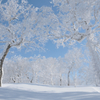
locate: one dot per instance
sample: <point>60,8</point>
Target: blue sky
<point>39,3</point>
<point>51,49</point>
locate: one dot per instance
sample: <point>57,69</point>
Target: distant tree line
<point>71,70</point>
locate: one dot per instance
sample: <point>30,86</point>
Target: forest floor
<point>41,92</point>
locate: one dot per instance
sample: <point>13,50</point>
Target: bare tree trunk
<point>69,73</point>
<point>2,60</point>
<point>60,80</point>
<point>31,80</point>
<point>68,78</point>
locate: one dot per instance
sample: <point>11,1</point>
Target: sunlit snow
<point>41,92</point>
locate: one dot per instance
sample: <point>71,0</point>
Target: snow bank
<point>39,92</point>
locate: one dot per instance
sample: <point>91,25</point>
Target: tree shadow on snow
<point>11,94</point>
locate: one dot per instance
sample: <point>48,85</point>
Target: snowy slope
<point>39,92</point>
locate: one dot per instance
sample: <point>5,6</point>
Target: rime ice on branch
<point>23,25</point>
<point>79,20</point>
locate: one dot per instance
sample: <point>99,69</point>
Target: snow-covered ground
<point>40,92</point>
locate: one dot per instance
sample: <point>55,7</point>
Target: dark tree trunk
<point>60,81</point>
<point>1,62</point>
<point>69,73</point>
<point>68,78</point>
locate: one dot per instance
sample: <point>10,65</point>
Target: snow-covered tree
<point>68,70</point>
<point>73,61</point>
<point>23,25</point>
<point>17,70</point>
<point>79,20</point>
<point>61,71</point>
